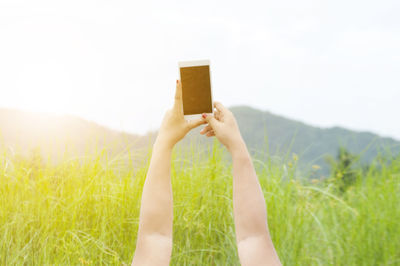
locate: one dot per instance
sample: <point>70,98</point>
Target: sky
<point>325,63</point>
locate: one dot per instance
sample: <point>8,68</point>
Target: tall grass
<point>86,210</point>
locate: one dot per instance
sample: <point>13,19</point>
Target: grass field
<point>85,211</point>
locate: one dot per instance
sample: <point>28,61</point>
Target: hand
<point>222,125</point>
<point>174,126</point>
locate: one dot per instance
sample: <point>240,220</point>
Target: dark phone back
<point>196,90</point>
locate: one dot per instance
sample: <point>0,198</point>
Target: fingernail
<point>204,115</point>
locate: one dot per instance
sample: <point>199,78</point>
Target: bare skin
<point>154,242</point>
<point>252,235</point>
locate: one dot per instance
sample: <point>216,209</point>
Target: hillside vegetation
<point>57,136</point>
<point>264,133</point>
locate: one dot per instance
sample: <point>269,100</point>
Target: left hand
<point>174,126</point>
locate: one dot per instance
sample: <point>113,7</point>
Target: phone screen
<point>196,90</point>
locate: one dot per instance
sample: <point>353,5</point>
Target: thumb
<point>210,119</point>
<point>195,123</point>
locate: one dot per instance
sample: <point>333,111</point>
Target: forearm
<point>156,213</point>
<point>248,200</point>
<point>254,243</point>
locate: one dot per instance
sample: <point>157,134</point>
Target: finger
<point>205,129</point>
<point>178,96</point>
<point>206,132</point>
<point>210,133</point>
<point>217,115</point>
<point>220,107</point>
<point>210,120</point>
<point>195,123</point>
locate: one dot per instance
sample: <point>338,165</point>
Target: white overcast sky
<point>325,63</point>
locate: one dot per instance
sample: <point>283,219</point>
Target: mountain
<point>265,133</point>
<point>279,135</point>
<point>22,132</point>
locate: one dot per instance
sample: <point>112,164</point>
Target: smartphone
<point>196,88</point>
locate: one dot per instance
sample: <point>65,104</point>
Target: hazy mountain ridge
<point>312,144</point>
<point>22,131</point>
<point>263,132</point>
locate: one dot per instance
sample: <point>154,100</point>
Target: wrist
<point>237,147</point>
<point>240,154</point>
<point>163,143</point>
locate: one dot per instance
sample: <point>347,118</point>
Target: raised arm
<point>154,241</point>
<point>253,239</point>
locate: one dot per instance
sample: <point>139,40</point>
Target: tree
<point>343,174</point>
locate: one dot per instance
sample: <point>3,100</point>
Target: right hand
<point>222,125</point>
